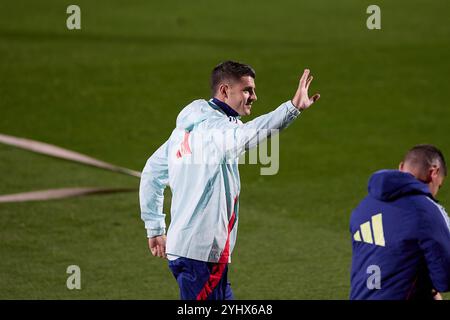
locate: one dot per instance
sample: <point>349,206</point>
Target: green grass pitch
<point>113,90</point>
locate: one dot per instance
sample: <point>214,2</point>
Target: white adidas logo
<point>366,231</point>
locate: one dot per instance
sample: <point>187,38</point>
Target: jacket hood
<point>388,185</point>
<point>194,113</point>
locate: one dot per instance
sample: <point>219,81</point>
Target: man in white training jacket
<point>199,162</point>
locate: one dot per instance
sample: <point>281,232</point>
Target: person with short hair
<point>199,162</point>
<point>401,234</point>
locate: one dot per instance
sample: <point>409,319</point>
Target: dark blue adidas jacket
<point>400,240</point>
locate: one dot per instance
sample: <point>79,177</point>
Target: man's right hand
<point>157,246</point>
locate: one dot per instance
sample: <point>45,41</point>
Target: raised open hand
<point>301,99</point>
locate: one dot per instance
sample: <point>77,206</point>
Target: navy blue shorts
<point>200,280</point>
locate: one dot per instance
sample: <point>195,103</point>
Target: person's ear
<point>434,172</point>
<point>400,166</point>
<point>431,174</point>
<point>223,89</point>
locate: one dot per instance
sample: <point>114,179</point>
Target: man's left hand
<point>301,99</point>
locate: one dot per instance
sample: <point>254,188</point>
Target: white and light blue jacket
<point>199,162</point>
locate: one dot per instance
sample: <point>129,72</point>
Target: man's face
<point>241,94</point>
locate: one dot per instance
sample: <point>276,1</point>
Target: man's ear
<point>223,89</point>
<point>400,166</point>
<point>431,174</point>
<point>434,172</point>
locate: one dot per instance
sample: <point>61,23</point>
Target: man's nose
<point>254,97</point>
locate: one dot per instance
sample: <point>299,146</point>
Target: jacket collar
<point>225,108</point>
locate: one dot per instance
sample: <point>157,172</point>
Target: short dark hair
<point>425,156</point>
<point>229,70</point>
